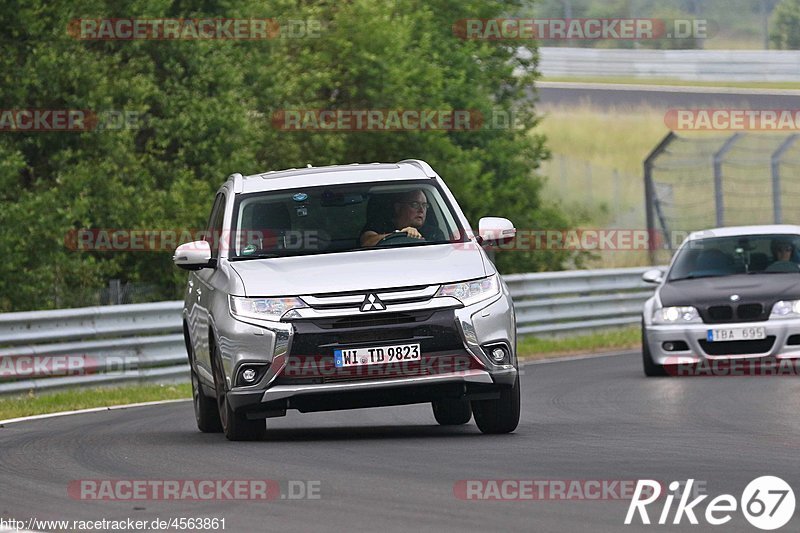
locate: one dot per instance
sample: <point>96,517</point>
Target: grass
<point>614,138</point>
<point>596,167</point>
<point>543,347</point>
<point>72,399</point>
<point>675,82</point>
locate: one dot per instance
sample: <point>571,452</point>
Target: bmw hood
<point>362,270</point>
<point>761,288</point>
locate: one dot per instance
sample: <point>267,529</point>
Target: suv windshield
<point>740,254</point>
<point>340,218</point>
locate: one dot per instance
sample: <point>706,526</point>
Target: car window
<point>328,219</point>
<point>740,254</point>
<point>214,234</point>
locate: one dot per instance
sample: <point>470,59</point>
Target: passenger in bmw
<point>783,252</point>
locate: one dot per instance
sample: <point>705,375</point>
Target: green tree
<point>204,111</point>
<point>785,34</point>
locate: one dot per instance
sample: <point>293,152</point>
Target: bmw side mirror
<point>655,275</point>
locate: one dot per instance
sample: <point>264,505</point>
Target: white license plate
<point>377,355</point>
<point>736,334</point>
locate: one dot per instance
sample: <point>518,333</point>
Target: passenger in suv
<point>300,299</point>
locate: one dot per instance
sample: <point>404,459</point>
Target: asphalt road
<point>393,469</point>
<point>608,96</point>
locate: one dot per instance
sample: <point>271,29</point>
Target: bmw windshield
<point>739,254</point>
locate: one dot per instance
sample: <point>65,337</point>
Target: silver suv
<point>345,287</point>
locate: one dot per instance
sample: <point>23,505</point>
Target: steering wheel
<point>396,236</point>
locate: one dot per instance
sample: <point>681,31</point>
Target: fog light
<point>498,354</point>
<point>249,375</point>
<point>668,346</point>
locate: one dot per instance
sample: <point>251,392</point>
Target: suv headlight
<point>786,309</point>
<point>265,308</point>
<point>676,315</point>
<point>470,292</point>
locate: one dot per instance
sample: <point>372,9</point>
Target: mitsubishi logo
<point>372,303</point>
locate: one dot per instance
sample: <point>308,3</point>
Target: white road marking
<point>91,410</point>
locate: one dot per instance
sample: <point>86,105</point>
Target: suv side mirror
<point>495,230</point>
<point>193,255</point>
<point>655,275</point>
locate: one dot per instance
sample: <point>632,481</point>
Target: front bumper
<point>300,372</point>
<point>783,342</point>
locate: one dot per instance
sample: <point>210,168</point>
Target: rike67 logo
<point>767,503</point>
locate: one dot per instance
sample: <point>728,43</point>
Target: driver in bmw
<point>410,210</point>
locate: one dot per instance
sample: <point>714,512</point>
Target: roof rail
<point>422,165</point>
<point>238,182</point>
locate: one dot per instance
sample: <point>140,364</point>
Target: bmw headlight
<point>786,309</point>
<point>266,308</point>
<point>470,292</point>
<point>676,315</point>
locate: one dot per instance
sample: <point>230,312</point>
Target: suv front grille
<point>311,354</point>
<point>357,321</point>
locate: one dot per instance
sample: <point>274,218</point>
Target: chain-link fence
<point>611,198</point>
<point>701,182</point>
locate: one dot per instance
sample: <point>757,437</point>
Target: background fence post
<point>775,164</point>
<point>718,197</point>
<point>650,196</point>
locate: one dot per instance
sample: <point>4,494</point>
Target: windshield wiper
<point>255,256</point>
<point>693,276</point>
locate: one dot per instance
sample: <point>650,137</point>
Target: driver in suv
<point>409,211</point>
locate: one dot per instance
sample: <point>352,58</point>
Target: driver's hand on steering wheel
<point>412,232</point>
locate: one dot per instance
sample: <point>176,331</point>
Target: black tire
<point>235,425</point>
<point>206,411</point>
<point>500,415</point>
<point>651,369</point>
<point>452,412</point>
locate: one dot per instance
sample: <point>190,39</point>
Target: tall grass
<point>596,168</point>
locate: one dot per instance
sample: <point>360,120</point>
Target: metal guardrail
<point>555,302</point>
<point>705,65</point>
<point>48,350</point>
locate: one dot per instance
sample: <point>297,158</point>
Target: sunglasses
<point>417,205</point>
